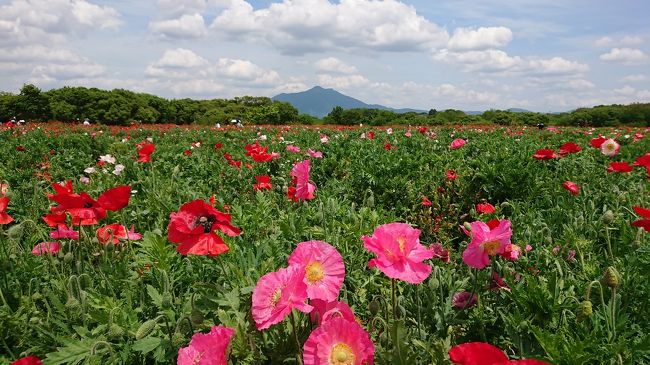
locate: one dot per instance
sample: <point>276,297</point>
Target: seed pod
<point>585,310</point>
<point>373,307</point>
<point>196,317</point>
<point>167,300</point>
<point>608,217</point>
<point>68,257</point>
<point>145,329</point>
<point>72,304</point>
<point>15,232</point>
<point>115,331</point>
<point>611,277</point>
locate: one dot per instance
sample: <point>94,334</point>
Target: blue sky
<point>468,55</point>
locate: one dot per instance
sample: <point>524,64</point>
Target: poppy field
<point>324,245</point>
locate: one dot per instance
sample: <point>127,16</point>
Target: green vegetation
<point>122,107</point>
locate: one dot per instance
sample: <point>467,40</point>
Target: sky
<point>544,56</point>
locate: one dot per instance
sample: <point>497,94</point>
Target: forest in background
<point>124,107</point>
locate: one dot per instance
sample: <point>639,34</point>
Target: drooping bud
<point>608,217</point>
<point>611,277</point>
<point>373,307</point>
<point>196,317</point>
<point>585,310</point>
<point>145,329</point>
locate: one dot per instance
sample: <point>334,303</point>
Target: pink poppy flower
<point>207,348</point>
<point>324,138</point>
<point>511,252</point>
<point>46,247</point>
<point>486,242</point>
<point>322,267</point>
<point>610,147</point>
<point>292,148</point>
<point>304,188</point>
<point>314,154</point>
<point>339,341</point>
<point>408,134</point>
<point>572,187</point>
<point>497,282</point>
<point>457,143</point>
<point>439,252</point>
<point>324,311</point>
<point>277,294</point>
<point>399,252</point>
<point>451,175</point>
<point>485,208</point>
<point>426,202</point>
<point>463,300</point>
<point>63,231</point>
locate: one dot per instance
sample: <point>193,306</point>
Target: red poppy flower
<point>217,146</point>
<point>20,148</point>
<point>387,146</point>
<point>4,217</point>
<point>643,160</point>
<point>370,135</point>
<point>258,153</point>
<point>422,130</point>
<point>451,175</point>
<point>53,219</point>
<point>479,353</point>
<point>569,147</point>
<point>642,223</point>
<point>187,152</point>
<point>597,142</point>
<point>545,154</point>
<point>116,198</point>
<point>426,202</point>
<point>572,187</point>
<point>144,152</point>
<point>291,194</point>
<point>485,208</point>
<point>115,232</point>
<point>263,183</point>
<point>619,167</point>
<point>194,226</point>
<point>28,360</point>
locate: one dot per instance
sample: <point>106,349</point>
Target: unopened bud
<point>611,277</point>
<point>196,316</point>
<point>585,310</point>
<point>373,307</point>
<point>608,217</point>
<point>467,226</point>
<point>145,329</point>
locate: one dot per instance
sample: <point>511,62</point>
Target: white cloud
<point>298,27</point>
<point>556,66</point>
<point>38,53</point>
<point>342,82</point>
<point>627,56</point>
<point>176,8</point>
<point>68,71</point>
<point>180,58</point>
<point>196,87</point>
<point>187,26</point>
<point>481,38</point>
<point>334,65</point>
<point>620,41</point>
<point>625,90</point>
<point>635,78</point>
<point>92,15</point>
<point>490,60</point>
<point>245,70</point>
<point>497,61</point>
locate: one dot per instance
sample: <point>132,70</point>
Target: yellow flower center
<point>275,298</point>
<point>401,240</point>
<point>342,354</point>
<point>491,248</point>
<point>610,147</point>
<point>314,272</point>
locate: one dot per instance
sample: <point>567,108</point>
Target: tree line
<point>122,107</point>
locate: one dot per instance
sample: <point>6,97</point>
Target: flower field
<point>352,245</point>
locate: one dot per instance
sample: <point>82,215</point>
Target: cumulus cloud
<point>635,78</point>
<point>481,38</point>
<point>246,71</point>
<point>187,26</point>
<point>180,58</point>
<point>342,82</point>
<point>61,16</point>
<point>627,56</point>
<point>298,27</point>
<point>66,72</point>
<point>497,61</point>
<point>334,65</point>
<point>619,41</point>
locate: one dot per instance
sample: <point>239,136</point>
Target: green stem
<point>613,304</point>
<point>295,336</point>
<point>609,244</point>
<point>393,299</point>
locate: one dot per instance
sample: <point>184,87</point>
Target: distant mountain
<point>319,101</point>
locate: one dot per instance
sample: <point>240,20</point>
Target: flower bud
<point>467,226</point>
<point>115,331</point>
<point>373,307</point>
<point>608,217</point>
<point>196,317</point>
<point>611,277</point>
<point>585,310</point>
<point>145,329</point>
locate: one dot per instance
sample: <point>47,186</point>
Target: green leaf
<point>154,295</point>
<point>73,352</point>
<point>147,344</point>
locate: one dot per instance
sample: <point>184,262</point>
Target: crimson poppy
<point>642,223</point>
<point>4,217</point>
<point>193,228</point>
<point>569,147</point>
<point>572,187</point>
<point>545,154</point>
<point>263,183</point>
<point>258,153</point>
<point>144,151</point>
<point>485,208</point>
<point>619,167</point>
